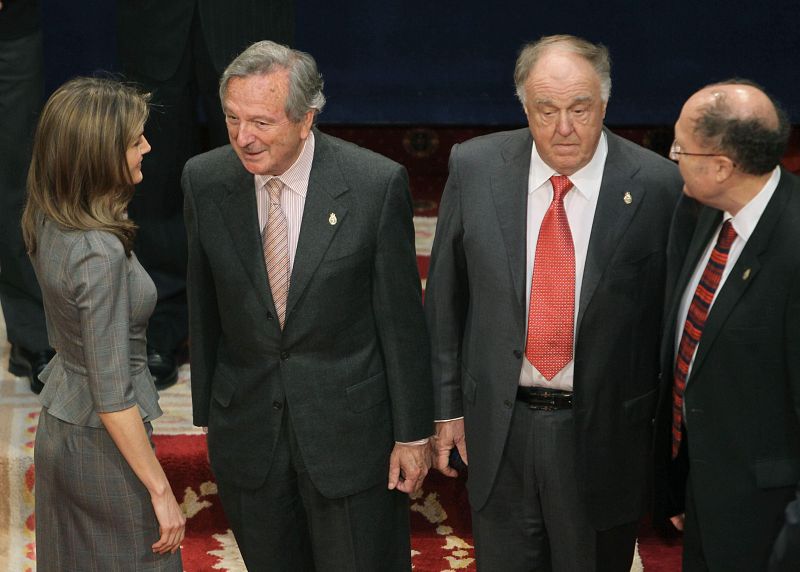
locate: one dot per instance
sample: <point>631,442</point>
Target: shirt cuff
<point>420,442</point>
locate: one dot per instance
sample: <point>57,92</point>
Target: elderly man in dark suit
<point>728,424</point>
<point>310,357</point>
<point>177,50</point>
<point>544,306</point>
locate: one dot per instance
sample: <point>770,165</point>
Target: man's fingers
<point>412,484</point>
<point>394,475</point>
<point>443,463</point>
<point>442,458</point>
<point>677,521</point>
<point>462,450</point>
<point>161,542</point>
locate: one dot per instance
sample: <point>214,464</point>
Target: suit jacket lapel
<point>323,215</point>
<point>509,184</point>
<point>709,220</point>
<point>745,271</point>
<point>611,218</point>
<point>240,212</point>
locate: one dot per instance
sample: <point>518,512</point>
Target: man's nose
<point>564,125</point>
<point>244,134</point>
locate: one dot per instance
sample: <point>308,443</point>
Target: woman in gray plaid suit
<point>102,499</point>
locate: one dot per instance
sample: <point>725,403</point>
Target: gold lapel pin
<point>746,274</point>
<point>627,198</point>
<point>332,219</point>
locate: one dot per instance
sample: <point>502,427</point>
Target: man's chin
<point>252,163</point>
<point>566,165</point>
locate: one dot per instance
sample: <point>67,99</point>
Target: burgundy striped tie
<point>695,321</point>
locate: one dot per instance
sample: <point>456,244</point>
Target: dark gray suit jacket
<point>476,300</point>
<point>742,397</point>
<point>352,362</point>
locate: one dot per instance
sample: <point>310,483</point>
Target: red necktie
<point>551,319</point>
<point>695,322</point>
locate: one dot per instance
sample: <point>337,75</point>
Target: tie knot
<point>274,188</point>
<point>726,235</point>
<point>561,184</point>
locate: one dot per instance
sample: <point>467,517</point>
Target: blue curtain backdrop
<point>451,62</point>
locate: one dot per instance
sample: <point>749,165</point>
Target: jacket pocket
<point>469,386</point>
<point>772,473</point>
<point>223,391</point>
<point>640,408</point>
<point>631,269</point>
<point>368,393</point>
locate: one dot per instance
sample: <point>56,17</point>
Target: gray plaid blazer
<point>97,303</point>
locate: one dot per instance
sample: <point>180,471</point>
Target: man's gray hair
<point>305,81</point>
<point>596,54</point>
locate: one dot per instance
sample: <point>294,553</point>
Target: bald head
<point>738,119</point>
<point>596,55</point>
<point>740,101</point>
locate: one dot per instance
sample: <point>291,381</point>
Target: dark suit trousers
<point>157,207</point>
<point>534,519</point>
<point>287,525</point>
<point>21,87</point>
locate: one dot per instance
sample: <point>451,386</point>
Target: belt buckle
<point>543,406</point>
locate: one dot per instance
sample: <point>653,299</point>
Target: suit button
<point>284,355</point>
<point>269,316</point>
<point>517,354</point>
<point>507,403</point>
<point>277,405</point>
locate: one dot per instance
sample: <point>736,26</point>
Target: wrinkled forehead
<point>564,75</point>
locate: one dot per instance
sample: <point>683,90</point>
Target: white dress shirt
<point>580,203</point>
<point>293,197</point>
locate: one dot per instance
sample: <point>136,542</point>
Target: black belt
<point>543,399</point>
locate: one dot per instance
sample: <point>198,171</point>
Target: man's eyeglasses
<point>675,153</point>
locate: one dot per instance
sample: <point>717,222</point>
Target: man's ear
<point>724,167</point>
<point>306,123</point>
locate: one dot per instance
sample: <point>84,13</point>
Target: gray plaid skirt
<point>92,511</point>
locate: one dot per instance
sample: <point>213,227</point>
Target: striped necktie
<point>695,322</point>
<point>275,242</point>
<point>551,317</point>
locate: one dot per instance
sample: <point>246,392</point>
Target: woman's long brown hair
<point>79,177</point>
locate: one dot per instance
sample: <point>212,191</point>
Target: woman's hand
<point>171,522</point>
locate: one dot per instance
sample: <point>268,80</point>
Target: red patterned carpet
<point>440,521</point>
<point>439,515</point>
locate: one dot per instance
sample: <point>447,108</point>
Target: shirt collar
<point>296,177</point>
<point>745,221</point>
<point>586,180</point>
